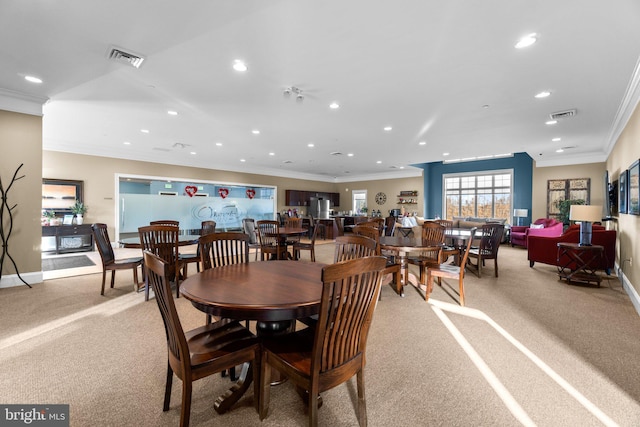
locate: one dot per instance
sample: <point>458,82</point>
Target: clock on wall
<point>381,198</point>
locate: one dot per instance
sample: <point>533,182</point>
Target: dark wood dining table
<point>285,232</point>
<point>183,240</point>
<point>403,246</point>
<point>274,293</point>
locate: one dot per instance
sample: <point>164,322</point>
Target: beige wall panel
<point>624,153</point>
<point>21,143</point>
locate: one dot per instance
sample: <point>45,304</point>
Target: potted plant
<point>48,216</point>
<point>79,209</point>
<point>564,208</point>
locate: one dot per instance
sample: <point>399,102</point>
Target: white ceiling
<point>424,67</point>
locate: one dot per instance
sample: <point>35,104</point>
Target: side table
<point>579,263</point>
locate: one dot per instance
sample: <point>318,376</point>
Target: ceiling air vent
<point>120,55</point>
<point>563,114</point>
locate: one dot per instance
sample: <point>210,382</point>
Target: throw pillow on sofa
<point>536,226</point>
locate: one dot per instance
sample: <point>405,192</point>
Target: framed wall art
<point>59,195</point>
<point>633,205</point>
<point>622,192</point>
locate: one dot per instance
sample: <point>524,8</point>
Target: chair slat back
<point>353,246</point>
<point>158,275</point>
<point>349,294</point>
<point>370,232</point>
<point>219,249</point>
<point>434,234</point>
<point>249,227</point>
<point>490,240</point>
<point>465,256</point>
<point>161,240</point>
<point>268,232</point>
<point>293,222</point>
<point>103,243</point>
<point>389,225</point>
<point>207,227</point>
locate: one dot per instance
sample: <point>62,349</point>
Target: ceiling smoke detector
<point>563,114</point>
<point>122,56</point>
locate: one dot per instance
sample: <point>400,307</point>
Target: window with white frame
<point>486,194</point>
<point>359,200</point>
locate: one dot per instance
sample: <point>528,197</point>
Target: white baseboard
<point>11,280</point>
<point>629,289</point>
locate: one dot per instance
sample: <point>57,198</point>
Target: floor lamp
<point>586,215</point>
<point>520,213</point>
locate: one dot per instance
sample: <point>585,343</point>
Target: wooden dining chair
<point>392,266</point>
<point>488,249</point>
<point>450,248</point>
<point>109,261</point>
<point>268,236</point>
<point>249,228</point>
<point>321,358</point>
<point>390,225</point>
<point>432,234</point>
<point>206,227</point>
<point>307,246</point>
<point>448,271</point>
<point>162,240</point>
<point>353,246</point>
<point>220,249</point>
<point>293,222</point>
<point>200,352</point>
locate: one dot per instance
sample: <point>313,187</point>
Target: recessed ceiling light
<point>193,153</point>
<point>239,65</point>
<point>551,122</point>
<point>219,144</point>
<point>272,154</point>
<point>350,155</point>
<point>126,143</point>
<point>255,132</point>
<point>485,106</point>
<point>559,150</point>
<point>556,139</point>
<point>172,113</point>
<point>310,145</point>
<point>144,130</point>
<point>445,154</point>
<point>242,160</point>
<point>33,79</point>
<point>401,167</point>
<point>543,94</point>
<point>527,41</point>
<point>422,143</point>
<point>334,105</point>
<point>388,128</point>
<point>379,161</point>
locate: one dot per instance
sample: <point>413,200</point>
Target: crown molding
<point>21,102</point>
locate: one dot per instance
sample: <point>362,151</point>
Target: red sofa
<point>545,249</point>
<point>520,233</point>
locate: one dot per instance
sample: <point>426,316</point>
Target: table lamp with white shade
<point>520,213</point>
<point>586,215</point>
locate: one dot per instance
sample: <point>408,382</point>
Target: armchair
<point>520,234</point>
<point>545,249</point>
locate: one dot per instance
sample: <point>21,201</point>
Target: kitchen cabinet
<point>301,198</point>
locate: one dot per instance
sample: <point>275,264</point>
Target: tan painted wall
<point>595,171</point>
<point>624,153</point>
<point>98,174</point>
<point>21,143</point>
<point>390,187</point>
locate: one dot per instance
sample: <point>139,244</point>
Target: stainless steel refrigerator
<point>319,208</point>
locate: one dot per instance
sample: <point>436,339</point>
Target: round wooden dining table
<point>285,232</point>
<point>274,293</point>
<point>402,246</point>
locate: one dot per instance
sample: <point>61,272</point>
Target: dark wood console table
<point>70,238</point>
<point>579,263</point>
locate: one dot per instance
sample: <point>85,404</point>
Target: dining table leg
<point>224,402</point>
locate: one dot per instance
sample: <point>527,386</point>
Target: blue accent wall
<point>521,163</point>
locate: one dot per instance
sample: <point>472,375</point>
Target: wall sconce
<point>520,213</point>
<point>586,215</point>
